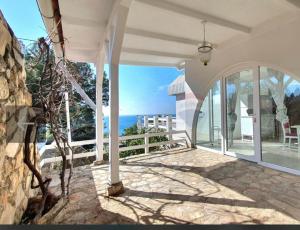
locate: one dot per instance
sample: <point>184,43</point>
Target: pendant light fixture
<point>205,48</point>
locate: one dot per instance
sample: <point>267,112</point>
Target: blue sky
<point>143,90</point>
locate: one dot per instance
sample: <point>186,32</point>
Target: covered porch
<point>183,186</point>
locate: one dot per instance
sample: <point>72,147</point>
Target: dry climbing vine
<point>52,87</point>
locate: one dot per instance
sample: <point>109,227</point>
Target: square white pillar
<point>114,124</point>
<point>99,112</point>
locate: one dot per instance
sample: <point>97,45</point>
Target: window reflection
<point>280,118</point>
<point>209,120</point>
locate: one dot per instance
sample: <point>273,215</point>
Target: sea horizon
<point>125,121</point>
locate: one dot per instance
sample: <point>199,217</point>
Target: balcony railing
<point>157,121</point>
<point>180,140</point>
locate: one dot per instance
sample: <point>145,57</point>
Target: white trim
<point>160,36</point>
<point>264,164</point>
<point>139,63</point>
<point>241,156</point>
<point>256,113</point>
<point>223,115</point>
<point>156,53</point>
<point>208,149</point>
<point>279,168</point>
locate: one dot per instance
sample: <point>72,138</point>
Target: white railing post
<point>69,135</point>
<point>146,143</point>
<point>155,121</point>
<point>146,122</point>
<point>169,126</point>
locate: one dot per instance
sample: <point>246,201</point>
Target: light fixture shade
<point>205,52</point>
<point>205,57</point>
<point>205,48</point>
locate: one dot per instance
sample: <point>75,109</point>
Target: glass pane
<point>209,120</point>
<point>280,118</point>
<point>239,113</point>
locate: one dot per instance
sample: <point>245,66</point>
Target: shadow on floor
<point>272,190</point>
<point>84,206</point>
<point>265,188</point>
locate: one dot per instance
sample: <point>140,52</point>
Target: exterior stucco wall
<point>277,47</point>
<point>180,111</point>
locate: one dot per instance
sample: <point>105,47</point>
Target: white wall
<point>271,44</point>
<point>180,111</point>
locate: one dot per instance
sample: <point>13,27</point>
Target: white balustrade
<point>145,146</point>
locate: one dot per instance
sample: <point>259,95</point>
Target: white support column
<point>69,136</point>
<point>146,122</point>
<point>68,117</point>
<point>116,30</point>
<point>114,124</point>
<point>155,121</point>
<point>99,112</point>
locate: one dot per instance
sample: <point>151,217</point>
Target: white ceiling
<point>163,32</point>
<point>84,23</point>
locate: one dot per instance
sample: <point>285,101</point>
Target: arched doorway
<point>253,114</point>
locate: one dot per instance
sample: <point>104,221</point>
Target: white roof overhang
<point>160,32</point>
<point>177,86</point>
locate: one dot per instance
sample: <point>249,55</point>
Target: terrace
<point>234,104</point>
<point>237,156</point>
<point>183,186</point>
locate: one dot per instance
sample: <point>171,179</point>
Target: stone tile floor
<point>184,187</point>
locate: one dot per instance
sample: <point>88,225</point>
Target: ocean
<point>124,122</point>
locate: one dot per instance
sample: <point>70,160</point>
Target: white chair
<point>287,133</point>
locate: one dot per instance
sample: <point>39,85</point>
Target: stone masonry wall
<point>15,104</point>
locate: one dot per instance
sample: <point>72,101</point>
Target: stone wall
<point>15,105</point>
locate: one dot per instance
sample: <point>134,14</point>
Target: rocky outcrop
<point>15,104</point>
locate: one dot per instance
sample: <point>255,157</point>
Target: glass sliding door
<point>209,120</point>
<point>280,118</point>
<point>261,117</point>
<point>239,114</point>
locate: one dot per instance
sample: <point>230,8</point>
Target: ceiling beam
<point>162,4</point>
<point>295,3</point>
<point>156,53</point>
<point>160,36</point>
<point>141,63</point>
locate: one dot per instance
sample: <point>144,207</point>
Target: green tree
<point>82,116</point>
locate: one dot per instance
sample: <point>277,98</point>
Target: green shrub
<point>133,130</point>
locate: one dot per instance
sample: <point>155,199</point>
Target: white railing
<point>171,140</point>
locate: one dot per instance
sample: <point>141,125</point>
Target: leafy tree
<point>82,116</point>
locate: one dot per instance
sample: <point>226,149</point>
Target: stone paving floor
<point>184,187</point>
